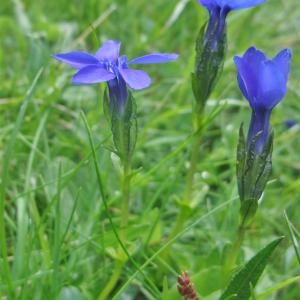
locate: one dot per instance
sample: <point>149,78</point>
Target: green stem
<point>231,258</point>
<point>125,185</point>
<point>188,194</point>
<point>192,168</point>
<point>126,179</point>
<point>104,198</point>
<point>185,207</point>
<point>232,255</point>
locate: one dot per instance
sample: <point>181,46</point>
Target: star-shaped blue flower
<point>263,82</point>
<point>107,66</point>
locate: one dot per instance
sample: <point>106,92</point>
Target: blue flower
<point>263,82</point>
<point>107,66</point>
<point>218,10</point>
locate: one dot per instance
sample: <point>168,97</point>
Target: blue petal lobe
<point>282,61</point>
<point>155,58</point>
<point>254,56</point>
<point>248,68</point>
<point>272,85</point>
<point>136,79</point>
<point>247,79</point>
<point>76,59</point>
<point>91,75</point>
<point>109,50</point>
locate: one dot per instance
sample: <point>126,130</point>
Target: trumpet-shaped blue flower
<point>263,82</point>
<point>107,66</point>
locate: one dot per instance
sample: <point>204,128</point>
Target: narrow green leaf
<point>277,287</point>
<point>248,276</point>
<point>5,270</point>
<point>165,289</point>
<point>292,231</point>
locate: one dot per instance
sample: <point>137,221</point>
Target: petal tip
<point>287,53</point>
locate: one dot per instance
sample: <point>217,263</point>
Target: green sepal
<point>210,55</point>
<point>253,171</point>
<point>123,125</point>
<point>239,287</point>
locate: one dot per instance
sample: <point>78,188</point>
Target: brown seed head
<point>185,287</point>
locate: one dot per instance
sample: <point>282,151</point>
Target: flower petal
<point>282,61</point>
<point>136,79</point>
<point>247,78</point>
<point>76,59</point>
<point>109,50</point>
<point>91,75</point>
<point>155,58</point>
<point>254,56</point>
<point>263,81</point>
<point>248,68</point>
<point>272,85</point>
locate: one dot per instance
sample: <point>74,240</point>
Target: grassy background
<point>60,244</point>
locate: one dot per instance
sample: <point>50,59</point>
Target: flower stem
<point>119,263</point>
<point>188,193</point>
<point>185,207</point>
<point>232,255</point>
<point>192,169</point>
<point>126,179</point>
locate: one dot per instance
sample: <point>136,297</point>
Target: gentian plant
<point>211,45</point>
<point>263,82</point>
<point>119,106</point>
<point>107,66</point>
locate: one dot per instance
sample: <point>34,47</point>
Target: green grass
<point>58,239</point>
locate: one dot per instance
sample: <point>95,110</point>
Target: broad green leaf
<point>239,286</point>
